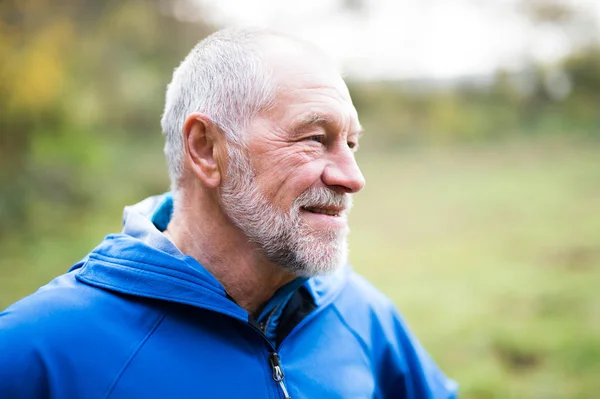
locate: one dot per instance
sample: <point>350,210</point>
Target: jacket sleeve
<point>404,368</point>
<point>22,371</point>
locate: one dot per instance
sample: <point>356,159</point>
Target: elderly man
<point>234,286</point>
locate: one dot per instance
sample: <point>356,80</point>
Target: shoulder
<point>69,306</point>
<point>67,311</point>
<point>401,363</point>
<point>364,300</point>
<point>374,318</point>
<point>67,326</point>
<point>368,313</point>
<point>50,307</point>
<point>63,307</point>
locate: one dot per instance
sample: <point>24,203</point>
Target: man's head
<point>265,125</point>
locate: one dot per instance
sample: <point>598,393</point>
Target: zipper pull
<point>278,373</point>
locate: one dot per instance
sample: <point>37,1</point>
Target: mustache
<point>324,197</point>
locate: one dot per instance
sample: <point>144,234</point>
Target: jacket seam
<point>182,284</point>
<point>361,341</point>
<point>100,284</point>
<point>125,265</point>
<point>134,354</point>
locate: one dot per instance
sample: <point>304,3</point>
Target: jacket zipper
<point>276,371</point>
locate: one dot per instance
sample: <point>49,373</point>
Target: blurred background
<point>481,214</point>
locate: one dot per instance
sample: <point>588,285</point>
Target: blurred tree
<point>73,72</point>
<point>575,80</point>
<point>582,69</point>
<point>547,11</point>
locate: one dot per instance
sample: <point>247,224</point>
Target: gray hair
<point>223,77</point>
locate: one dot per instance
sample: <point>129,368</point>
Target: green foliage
<point>552,100</point>
<point>77,79</point>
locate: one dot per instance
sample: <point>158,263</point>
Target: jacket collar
<point>141,261</point>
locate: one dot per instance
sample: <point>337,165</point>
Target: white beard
<point>283,238</point>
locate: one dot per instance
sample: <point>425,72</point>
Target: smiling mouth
<point>324,211</point>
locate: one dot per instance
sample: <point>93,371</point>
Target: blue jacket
<point>138,319</point>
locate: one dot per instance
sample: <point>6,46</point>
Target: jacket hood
<point>143,262</point>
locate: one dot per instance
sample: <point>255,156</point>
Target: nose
<point>342,173</point>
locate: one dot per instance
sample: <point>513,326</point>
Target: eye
<point>318,139</point>
<point>351,144</point>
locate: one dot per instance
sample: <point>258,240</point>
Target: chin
<point>319,259</point>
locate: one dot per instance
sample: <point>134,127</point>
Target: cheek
<point>289,176</point>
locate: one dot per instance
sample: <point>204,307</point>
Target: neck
<point>207,235</point>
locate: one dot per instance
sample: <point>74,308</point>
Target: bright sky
<point>406,38</point>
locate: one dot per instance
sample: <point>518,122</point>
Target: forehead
<point>307,83</point>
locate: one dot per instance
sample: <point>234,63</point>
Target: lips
<point>323,210</point>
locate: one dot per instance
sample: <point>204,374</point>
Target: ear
<point>202,141</point>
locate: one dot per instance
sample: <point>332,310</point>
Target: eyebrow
<point>317,119</point>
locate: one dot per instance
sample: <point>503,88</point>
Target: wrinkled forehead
<point>296,64</point>
<point>305,77</point>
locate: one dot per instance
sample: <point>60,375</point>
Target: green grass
<point>492,254</point>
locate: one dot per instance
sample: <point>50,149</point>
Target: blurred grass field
<point>493,256</point>
<point>491,252</point>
